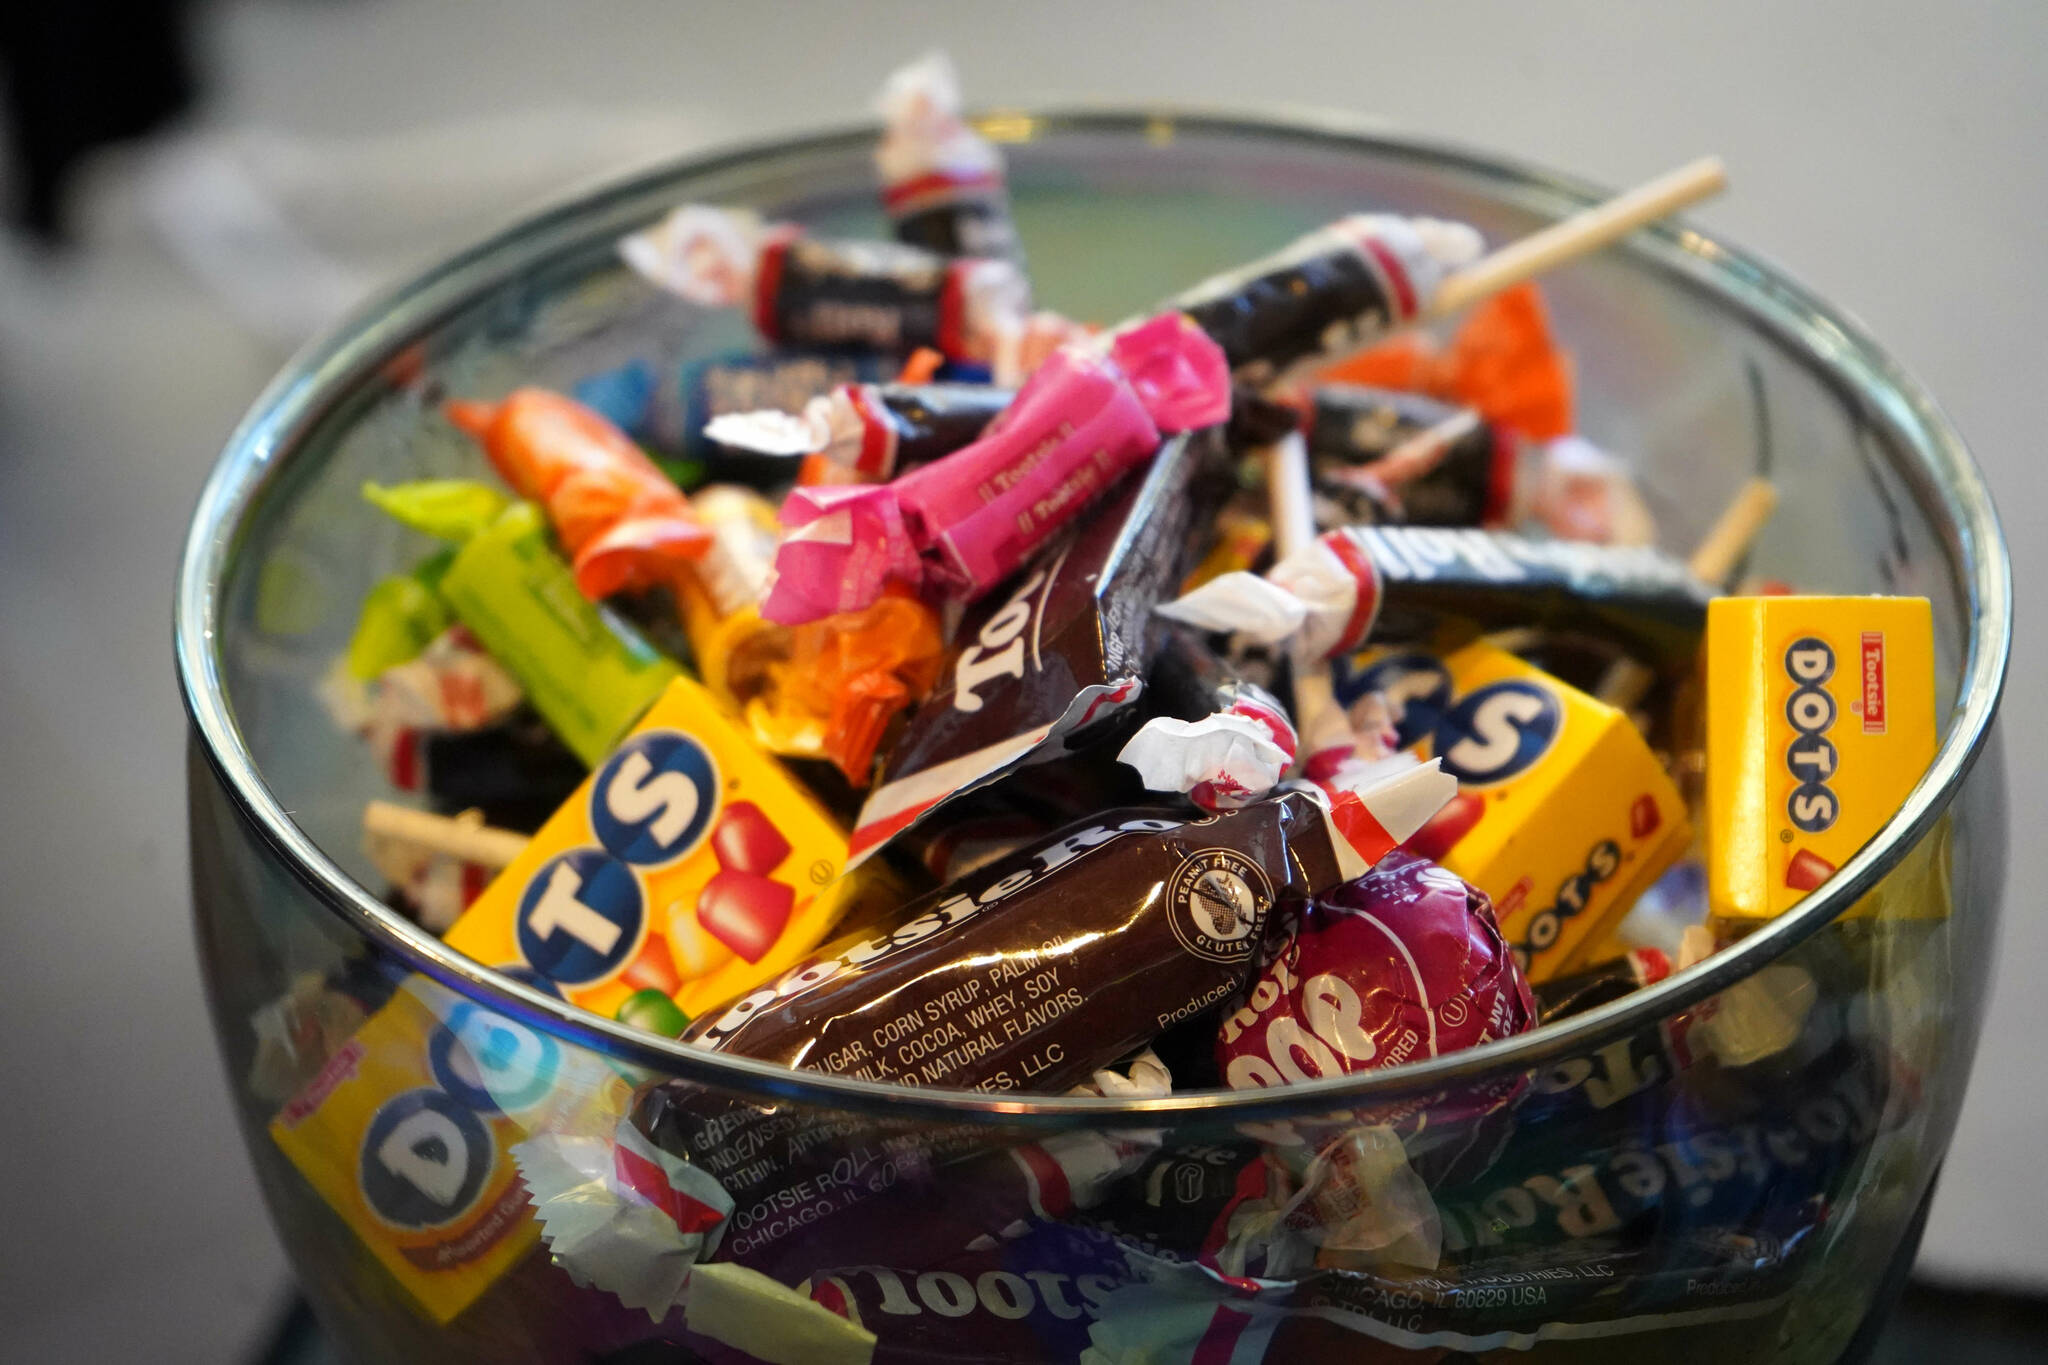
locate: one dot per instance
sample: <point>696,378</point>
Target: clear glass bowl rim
<point>1938,465</point>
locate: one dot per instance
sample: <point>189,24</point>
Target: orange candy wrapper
<point>622,522</point>
<point>1503,362</point>
<point>825,689</point>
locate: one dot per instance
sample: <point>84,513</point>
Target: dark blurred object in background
<point>80,74</point>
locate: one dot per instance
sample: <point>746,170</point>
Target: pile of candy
<point>1259,683</point>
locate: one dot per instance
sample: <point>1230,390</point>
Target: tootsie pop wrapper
<point>1327,292</point>
<point>1399,582</point>
<point>964,523</point>
<point>828,295</point>
<point>1404,963</point>
<point>751,1185</point>
<point>1033,669</point>
<point>942,182</point>
<point>873,430</point>
<point>623,523</point>
<point>1106,935</point>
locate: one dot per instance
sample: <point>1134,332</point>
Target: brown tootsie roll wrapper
<point>799,1188</point>
<point>1034,1298</point>
<point>1021,810</point>
<point>1723,1288</point>
<point>1037,669</point>
<point>1111,932</point>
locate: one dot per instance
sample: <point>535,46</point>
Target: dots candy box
<point>688,867</point>
<point>407,1134</point>
<point>1563,813</point>
<point>1820,720</point>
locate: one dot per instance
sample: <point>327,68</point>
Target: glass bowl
<point>1624,1182</point>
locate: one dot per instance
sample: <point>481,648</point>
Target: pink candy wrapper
<point>1404,963</point>
<point>963,523</point>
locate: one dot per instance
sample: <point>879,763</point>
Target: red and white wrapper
<point>930,161</point>
<point>1222,760</point>
<point>451,686</point>
<point>963,523</point>
<point>620,1214</point>
<point>1077,1170</point>
<point>1583,493</point>
<point>1325,595</point>
<point>440,885</point>
<point>839,425</point>
<point>1377,808</point>
<point>1357,1195</point>
<point>700,252</point>
<point>1347,746</point>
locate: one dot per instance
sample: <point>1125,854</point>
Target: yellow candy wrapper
<point>1563,815</point>
<point>1820,720</point>
<point>689,867</point>
<point>407,1133</point>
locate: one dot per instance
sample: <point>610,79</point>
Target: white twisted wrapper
<point>1223,760</point>
<point>608,1234</point>
<point>1311,596</point>
<point>703,253</point>
<point>923,131</point>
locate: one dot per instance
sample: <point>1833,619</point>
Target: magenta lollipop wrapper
<point>957,527</point>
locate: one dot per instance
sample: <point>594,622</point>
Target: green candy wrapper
<point>588,673</point>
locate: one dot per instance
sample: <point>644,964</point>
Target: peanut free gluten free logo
<point>1216,900</point>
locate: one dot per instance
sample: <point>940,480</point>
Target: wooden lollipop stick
<point>1425,450</point>
<point>1579,234</point>
<point>464,837</point>
<point>1624,684</point>
<point>1318,720</point>
<point>1291,498</point>
<point>1730,537</point>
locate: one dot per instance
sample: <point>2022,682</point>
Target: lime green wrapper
<point>588,673</point>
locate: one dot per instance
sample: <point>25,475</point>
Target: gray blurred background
<point>1889,154</point>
